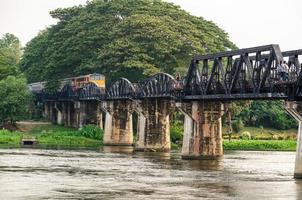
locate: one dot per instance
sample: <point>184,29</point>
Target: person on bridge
<point>283,70</point>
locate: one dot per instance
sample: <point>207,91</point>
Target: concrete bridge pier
<point>154,125</point>
<point>202,130</point>
<point>118,129</point>
<point>295,110</point>
<point>58,108</point>
<point>50,112</point>
<point>68,113</point>
<point>89,112</point>
<point>82,113</point>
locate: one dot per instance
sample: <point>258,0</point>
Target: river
<point>113,173</point>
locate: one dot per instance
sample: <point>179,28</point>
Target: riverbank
<point>54,136</point>
<point>260,145</point>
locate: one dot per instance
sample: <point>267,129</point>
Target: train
<point>76,82</point>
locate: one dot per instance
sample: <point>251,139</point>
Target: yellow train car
<point>80,81</point>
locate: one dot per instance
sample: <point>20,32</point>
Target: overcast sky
<point>248,22</point>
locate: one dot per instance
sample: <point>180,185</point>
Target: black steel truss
<point>91,92</point>
<point>241,74</point>
<point>250,73</point>
<point>157,86</point>
<point>121,89</point>
<point>68,93</point>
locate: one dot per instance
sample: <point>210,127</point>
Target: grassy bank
<point>263,133</point>
<point>70,139</point>
<point>10,138</point>
<point>60,136</point>
<point>55,136</point>
<point>260,145</point>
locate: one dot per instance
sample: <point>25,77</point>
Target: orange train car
<point>77,82</point>
<point>80,81</point>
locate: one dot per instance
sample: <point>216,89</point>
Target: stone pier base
<point>202,130</point>
<point>154,125</point>
<point>295,110</point>
<point>118,129</point>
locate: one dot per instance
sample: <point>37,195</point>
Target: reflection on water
<point>120,173</point>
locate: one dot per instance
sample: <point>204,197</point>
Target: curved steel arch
<point>92,92</point>
<point>159,85</point>
<point>121,89</point>
<point>67,93</point>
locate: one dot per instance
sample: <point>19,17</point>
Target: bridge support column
<point>49,115</point>
<point>64,113</point>
<point>154,125</point>
<point>46,110</point>
<point>88,113</point>
<point>295,110</point>
<point>68,114</point>
<point>118,123</point>
<point>202,130</point>
<point>58,108</point>
<point>99,117</point>
<point>81,113</point>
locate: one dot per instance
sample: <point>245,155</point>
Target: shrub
<point>176,132</point>
<point>92,131</point>
<point>246,135</point>
<point>275,137</point>
<point>7,137</point>
<point>237,126</point>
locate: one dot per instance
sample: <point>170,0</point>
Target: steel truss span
<point>250,73</point>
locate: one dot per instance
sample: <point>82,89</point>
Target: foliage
<point>66,139</point>
<point>60,136</point>
<point>129,38</point>
<point>10,138</point>
<point>176,132</point>
<point>50,128</point>
<point>10,54</point>
<point>15,99</point>
<point>260,145</point>
<point>92,131</point>
<point>267,114</point>
<point>237,126</point>
<point>245,135</point>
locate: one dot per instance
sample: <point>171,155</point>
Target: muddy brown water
<point>115,173</point>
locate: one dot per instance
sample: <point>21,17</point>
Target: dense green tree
<point>10,54</point>
<point>267,114</point>
<point>130,38</point>
<point>14,99</point>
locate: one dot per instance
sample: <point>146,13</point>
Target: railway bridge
<point>211,82</point>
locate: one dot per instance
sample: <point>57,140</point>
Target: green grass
<point>10,138</point>
<point>49,128</point>
<point>260,145</point>
<point>60,136</point>
<point>263,134</point>
<point>49,135</point>
<point>66,139</point>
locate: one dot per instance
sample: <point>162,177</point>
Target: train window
<point>96,77</point>
<point>93,77</point>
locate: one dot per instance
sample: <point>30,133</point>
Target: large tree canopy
<point>10,54</point>
<point>14,97</point>
<point>130,38</point>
